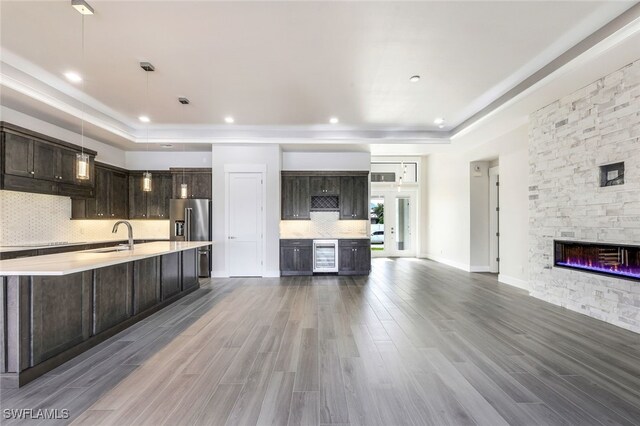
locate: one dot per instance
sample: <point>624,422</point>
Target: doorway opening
<point>393,220</point>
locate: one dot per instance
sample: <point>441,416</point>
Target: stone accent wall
<point>568,141</point>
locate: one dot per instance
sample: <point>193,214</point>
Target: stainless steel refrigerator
<point>190,220</point>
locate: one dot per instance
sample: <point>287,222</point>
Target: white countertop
<point>78,261</point>
<point>36,246</point>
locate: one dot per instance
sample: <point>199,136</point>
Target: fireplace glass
<point>622,261</point>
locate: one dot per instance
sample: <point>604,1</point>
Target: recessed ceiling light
<point>144,119</point>
<point>229,120</point>
<point>438,120</point>
<point>82,6</point>
<point>183,101</point>
<point>167,146</point>
<point>414,78</point>
<point>441,126</point>
<point>334,120</point>
<point>73,77</point>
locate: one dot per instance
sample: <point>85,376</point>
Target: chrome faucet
<point>115,229</point>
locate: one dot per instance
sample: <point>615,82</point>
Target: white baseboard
<point>448,262</point>
<point>479,269</point>
<point>219,274</point>
<point>516,282</point>
<point>272,274</point>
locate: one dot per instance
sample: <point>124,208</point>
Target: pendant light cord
<point>82,87</point>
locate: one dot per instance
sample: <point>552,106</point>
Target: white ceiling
<point>284,68</point>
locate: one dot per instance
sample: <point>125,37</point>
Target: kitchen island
<point>57,306</point>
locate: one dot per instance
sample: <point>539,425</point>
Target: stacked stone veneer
<point>568,141</point>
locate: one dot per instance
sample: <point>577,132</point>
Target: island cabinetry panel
<point>170,275</point>
<point>112,295</point>
<point>53,329</point>
<point>189,269</point>
<point>146,284</point>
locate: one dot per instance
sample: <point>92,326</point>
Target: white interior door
<point>395,236</point>
<point>245,224</point>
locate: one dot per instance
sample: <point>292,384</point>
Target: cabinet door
<point>113,291</point>
<point>66,171</point>
<point>346,259</point>
<point>103,190</point>
<point>287,259</point>
<point>304,259</point>
<point>360,197</point>
<point>137,198</point>
<point>170,275</point>
<point>18,155</point>
<point>362,259</point>
<point>189,269</point>
<point>316,183</point>
<point>346,197</point>
<point>146,284</point>
<point>288,198</point>
<point>303,198</point>
<point>332,185</point>
<point>200,185</point>
<point>45,161</point>
<point>119,196</point>
<point>158,198</point>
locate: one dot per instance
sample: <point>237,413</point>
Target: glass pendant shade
<point>183,191</point>
<point>82,166</point>
<point>146,182</point>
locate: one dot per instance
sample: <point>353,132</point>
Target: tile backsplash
<point>37,218</point>
<point>323,224</point>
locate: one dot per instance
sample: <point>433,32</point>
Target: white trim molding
<point>445,261</point>
<point>479,269</point>
<point>515,282</point>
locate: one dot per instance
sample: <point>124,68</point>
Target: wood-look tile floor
<point>415,343</point>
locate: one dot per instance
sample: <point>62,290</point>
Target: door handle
<point>187,224</point>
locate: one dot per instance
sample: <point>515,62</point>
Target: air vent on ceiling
<point>147,66</point>
<point>183,101</point>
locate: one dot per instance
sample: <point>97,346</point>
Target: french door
<point>393,223</point>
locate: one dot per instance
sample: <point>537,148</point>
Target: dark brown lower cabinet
<point>112,292</point>
<point>354,257</point>
<point>55,330</point>
<point>189,269</point>
<point>170,275</point>
<point>146,284</point>
<point>296,257</point>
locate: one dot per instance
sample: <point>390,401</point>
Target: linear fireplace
<point>622,261</point>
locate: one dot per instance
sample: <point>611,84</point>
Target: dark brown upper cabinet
<point>198,180</point>
<point>110,201</point>
<point>153,204</point>
<point>296,198</point>
<point>354,198</point>
<point>32,162</point>
<point>325,185</point>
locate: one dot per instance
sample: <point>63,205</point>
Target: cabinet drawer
<point>296,243</point>
<point>354,243</point>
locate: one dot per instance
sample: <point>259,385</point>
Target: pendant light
<point>184,189</point>
<point>82,159</point>
<point>147,184</point>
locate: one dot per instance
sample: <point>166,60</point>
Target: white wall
<point>139,160</point>
<point>269,155</point>
<point>326,161</point>
<point>479,216</point>
<point>106,153</point>
<point>447,189</point>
